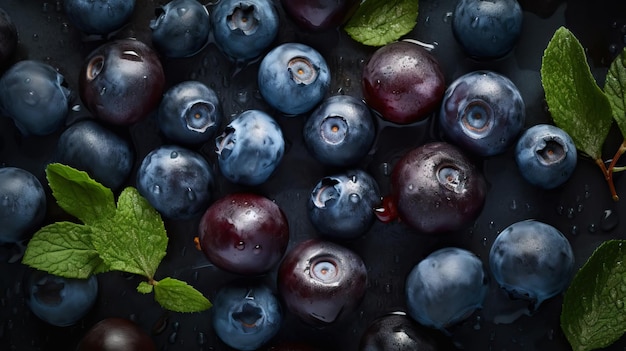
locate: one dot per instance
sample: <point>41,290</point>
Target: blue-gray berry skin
<point>246,316</point>
<point>340,131</point>
<point>532,260</point>
<point>482,112</point>
<point>190,113</point>
<point>98,17</point>
<point>8,39</point>
<point>181,28</point>
<point>244,29</point>
<point>487,29</point>
<point>35,96</point>
<point>22,204</point>
<point>250,148</point>
<point>293,78</point>
<point>342,206</point>
<point>91,147</point>
<point>446,287</point>
<point>177,182</point>
<point>546,156</point>
<point>59,301</point>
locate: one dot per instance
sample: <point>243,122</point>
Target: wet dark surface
<point>389,250</point>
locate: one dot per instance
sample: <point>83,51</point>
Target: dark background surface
<point>389,250</point>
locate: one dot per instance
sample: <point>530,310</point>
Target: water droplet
<point>477,325</point>
<point>580,208</point>
<point>191,195</point>
<point>76,108</point>
<point>491,224</point>
<point>592,228</point>
<point>257,249</point>
<point>201,338</point>
<point>560,209</point>
<point>570,213</point>
<point>485,241</point>
<point>385,168</point>
<point>240,245</point>
<point>574,230</point>
<point>172,338</point>
<point>513,205</point>
<point>156,189</point>
<point>475,22</point>
<point>45,7</point>
<point>609,220</point>
<point>35,37</point>
<point>6,201</point>
<point>354,198</point>
<point>388,288</point>
<point>173,154</point>
<point>447,17</point>
<point>619,304</point>
<point>103,91</point>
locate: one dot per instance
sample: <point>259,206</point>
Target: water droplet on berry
<point>354,198</point>
<point>240,246</point>
<point>156,189</point>
<point>174,154</point>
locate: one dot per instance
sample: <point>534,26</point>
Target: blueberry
<point>532,260</point>
<point>243,29</point>
<point>8,38</point>
<point>99,17</point>
<point>246,316</point>
<point>190,113</point>
<point>60,301</point>
<point>181,28</point>
<point>293,78</point>
<point>342,206</point>
<point>546,156</point>
<point>446,287</point>
<point>35,96</point>
<point>482,112</point>
<point>91,147</point>
<point>487,29</point>
<point>22,204</point>
<point>250,148</point>
<point>398,332</point>
<point>340,131</point>
<point>176,181</point>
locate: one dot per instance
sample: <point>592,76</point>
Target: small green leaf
<point>593,314</point>
<point>145,287</point>
<point>80,195</point>
<point>615,90</point>
<point>178,296</point>
<point>134,240</point>
<point>379,22</point>
<point>64,249</point>
<point>574,99</point>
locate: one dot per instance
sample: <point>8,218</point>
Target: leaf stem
<point>620,151</point>
<point>608,175</point>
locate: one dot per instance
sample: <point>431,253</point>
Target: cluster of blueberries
<point>435,187</point>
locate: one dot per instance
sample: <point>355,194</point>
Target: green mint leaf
<point>178,296</point>
<point>80,195</point>
<point>134,240</point>
<point>64,249</point>
<point>145,287</point>
<point>593,314</point>
<point>379,22</point>
<point>574,99</point>
<point>615,90</point>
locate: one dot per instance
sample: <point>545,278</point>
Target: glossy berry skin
<point>23,204</point>
<point>250,148</point>
<point>181,28</point>
<point>89,146</point>
<point>546,156</point>
<point>321,282</point>
<point>398,332</point>
<point>98,17</point>
<point>487,29</point>
<point>60,301</point>
<point>244,233</point>
<point>446,287</point>
<point>122,81</point>
<point>35,96</point>
<point>293,78</point>
<point>319,15</point>
<point>246,316</point>
<point>8,38</point>
<point>340,131</point>
<point>176,181</point>
<point>403,82</point>
<point>244,29</point>
<point>115,334</point>
<point>482,112</point>
<point>532,260</point>
<point>341,206</point>
<point>436,188</point>
<point>190,113</point>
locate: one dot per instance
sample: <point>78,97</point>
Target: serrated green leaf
<point>134,240</point>
<point>80,195</point>
<point>379,22</point>
<point>615,90</point>
<point>574,99</point>
<point>145,288</point>
<point>178,296</point>
<point>64,249</point>
<point>593,314</point>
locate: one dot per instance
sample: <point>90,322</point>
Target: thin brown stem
<point>608,176</point>
<point>620,151</point>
